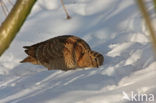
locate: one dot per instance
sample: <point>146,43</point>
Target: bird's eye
<point>96,62</point>
<point>82,53</point>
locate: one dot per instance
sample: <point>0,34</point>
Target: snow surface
<point>111,27</point>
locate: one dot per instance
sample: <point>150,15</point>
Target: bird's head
<point>90,59</point>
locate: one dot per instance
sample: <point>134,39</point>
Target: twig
<point>13,22</point>
<point>148,22</point>
<point>68,17</point>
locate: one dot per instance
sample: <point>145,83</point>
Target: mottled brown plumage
<point>63,52</point>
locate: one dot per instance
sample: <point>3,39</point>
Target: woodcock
<point>63,52</point>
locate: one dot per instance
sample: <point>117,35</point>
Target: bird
<point>66,52</point>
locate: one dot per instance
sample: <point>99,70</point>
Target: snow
<point>111,27</point>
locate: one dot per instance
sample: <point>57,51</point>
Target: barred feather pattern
<point>63,53</point>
